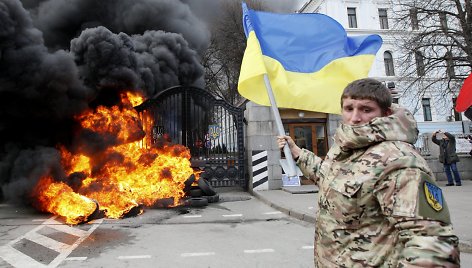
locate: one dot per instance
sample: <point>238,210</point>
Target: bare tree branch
<point>441,31</point>
<point>223,58</point>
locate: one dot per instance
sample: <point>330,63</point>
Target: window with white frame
<point>425,102</point>
<point>383,18</point>
<point>352,17</point>
<point>388,60</point>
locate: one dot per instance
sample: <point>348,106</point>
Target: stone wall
<point>260,136</point>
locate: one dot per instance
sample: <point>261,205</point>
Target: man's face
<point>359,112</point>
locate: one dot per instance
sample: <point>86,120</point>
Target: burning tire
<point>188,183</point>
<point>96,214</point>
<point>206,187</point>
<point>196,192</point>
<point>164,203</point>
<point>200,195</point>
<point>197,202</point>
<point>134,211</point>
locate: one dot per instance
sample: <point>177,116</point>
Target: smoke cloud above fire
<point>61,58</point>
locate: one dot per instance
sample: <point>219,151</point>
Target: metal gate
<point>212,129</point>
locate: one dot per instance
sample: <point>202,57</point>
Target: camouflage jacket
<point>379,205</point>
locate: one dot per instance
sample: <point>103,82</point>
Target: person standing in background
<point>448,156</point>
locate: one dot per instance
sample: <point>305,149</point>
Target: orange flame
<point>122,123</point>
<point>134,98</point>
<point>60,199</point>
<point>121,177</point>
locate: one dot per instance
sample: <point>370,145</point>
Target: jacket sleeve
<point>450,136</point>
<point>414,204</point>
<point>434,139</point>
<point>310,164</point>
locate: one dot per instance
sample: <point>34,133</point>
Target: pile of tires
<point>201,193</point>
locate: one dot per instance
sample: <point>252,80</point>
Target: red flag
<point>464,100</point>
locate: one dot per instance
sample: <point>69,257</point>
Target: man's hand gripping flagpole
<point>292,170</point>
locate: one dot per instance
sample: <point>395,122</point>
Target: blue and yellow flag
<point>308,57</point>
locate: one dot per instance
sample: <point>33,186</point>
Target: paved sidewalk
<point>301,203</point>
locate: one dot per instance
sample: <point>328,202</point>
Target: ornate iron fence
<point>422,145</point>
<point>211,128</point>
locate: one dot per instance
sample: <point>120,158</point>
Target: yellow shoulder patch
<point>431,201</point>
<point>433,195</point>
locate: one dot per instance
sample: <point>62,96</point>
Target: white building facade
<point>433,110</point>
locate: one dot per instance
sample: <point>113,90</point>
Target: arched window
<point>388,60</point>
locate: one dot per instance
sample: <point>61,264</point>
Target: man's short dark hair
<point>371,89</point>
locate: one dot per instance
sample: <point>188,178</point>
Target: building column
<point>261,132</point>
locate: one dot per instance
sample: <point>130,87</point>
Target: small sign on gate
<point>214,131</point>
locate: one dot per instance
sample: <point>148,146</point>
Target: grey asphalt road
<point>238,231</point>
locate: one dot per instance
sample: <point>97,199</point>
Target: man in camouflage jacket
<point>379,204</point>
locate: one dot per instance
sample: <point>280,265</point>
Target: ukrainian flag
<point>308,57</point>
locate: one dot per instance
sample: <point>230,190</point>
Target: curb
<point>288,211</point>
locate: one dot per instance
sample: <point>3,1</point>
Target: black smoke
<point>151,62</point>
<point>62,20</point>
<point>59,58</point>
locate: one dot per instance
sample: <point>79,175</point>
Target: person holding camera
<point>448,156</point>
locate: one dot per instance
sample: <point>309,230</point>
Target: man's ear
<point>388,112</point>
